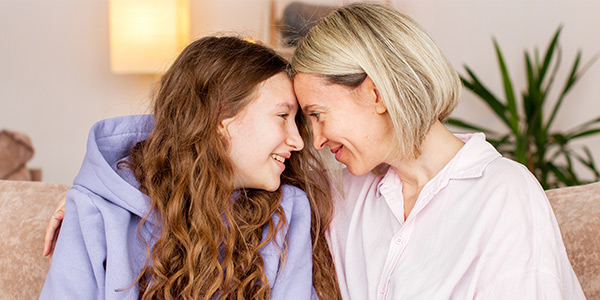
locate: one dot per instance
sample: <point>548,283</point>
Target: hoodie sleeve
<point>77,270</point>
<point>293,279</point>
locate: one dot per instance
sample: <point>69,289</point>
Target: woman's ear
<point>374,96</point>
<point>379,105</point>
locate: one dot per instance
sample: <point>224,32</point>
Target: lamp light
<point>147,35</point>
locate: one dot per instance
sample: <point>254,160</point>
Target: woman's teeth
<point>278,157</point>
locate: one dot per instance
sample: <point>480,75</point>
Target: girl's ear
<point>374,97</point>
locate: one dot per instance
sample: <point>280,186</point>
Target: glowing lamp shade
<point>147,35</point>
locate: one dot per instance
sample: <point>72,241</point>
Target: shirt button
<point>398,240</point>
<point>382,289</point>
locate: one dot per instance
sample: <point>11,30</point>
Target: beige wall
<point>55,80</point>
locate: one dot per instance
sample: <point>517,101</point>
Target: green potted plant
<point>530,138</point>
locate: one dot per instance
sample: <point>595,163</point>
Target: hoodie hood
<point>108,143</point>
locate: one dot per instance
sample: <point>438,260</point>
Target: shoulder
<point>509,169</point>
<point>131,124</point>
<point>512,204</point>
<point>83,200</point>
<point>506,175</point>
<point>92,208</point>
<point>504,196</point>
<point>293,198</point>
<point>290,191</point>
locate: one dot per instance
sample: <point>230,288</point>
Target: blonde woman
<point>424,214</point>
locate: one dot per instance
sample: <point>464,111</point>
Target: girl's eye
<point>284,116</point>
<point>316,115</point>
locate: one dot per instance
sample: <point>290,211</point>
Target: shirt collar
<point>469,162</point>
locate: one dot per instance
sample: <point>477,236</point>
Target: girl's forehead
<point>276,93</point>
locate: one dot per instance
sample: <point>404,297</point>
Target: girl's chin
<point>271,187</point>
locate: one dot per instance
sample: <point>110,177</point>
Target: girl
<point>188,203</point>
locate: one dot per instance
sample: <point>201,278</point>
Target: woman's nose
<point>319,139</point>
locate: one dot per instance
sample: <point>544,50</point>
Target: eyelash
<point>316,115</point>
<point>284,116</point>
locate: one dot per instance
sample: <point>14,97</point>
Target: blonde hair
<point>415,81</point>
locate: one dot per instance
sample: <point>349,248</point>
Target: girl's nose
<point>294,140</point>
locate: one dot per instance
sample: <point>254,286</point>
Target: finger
<point>53,246</point>
<point>52,230</point>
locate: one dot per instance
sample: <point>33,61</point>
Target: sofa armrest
<point>577,211</point>
<point>25,209</point>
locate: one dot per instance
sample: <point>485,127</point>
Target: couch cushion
<point>15,151</point>
<point>577,211</point>
<point>25,209</point>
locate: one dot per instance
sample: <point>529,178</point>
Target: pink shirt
<point>482,228</point>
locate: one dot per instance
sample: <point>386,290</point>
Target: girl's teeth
<point>279,158</point>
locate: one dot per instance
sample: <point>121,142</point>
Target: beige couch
<point>25,208</point>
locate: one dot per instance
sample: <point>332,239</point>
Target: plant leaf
<point>511,104</point>
<point>484,94</point>
<point>577,131</point>
<point>549,83</point>
<point>499,142</point>
<point>465,125</point>
<point>570,82</point>
<point>589,162</point>
<point>585,133</point>
<point>549,53</point>
<point>532,89</point>
<point>558,173</point>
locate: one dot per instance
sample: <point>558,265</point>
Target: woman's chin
<point>356,171</point>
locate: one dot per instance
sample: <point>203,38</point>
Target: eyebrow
<point>285,106</point>
<point>310,107</point>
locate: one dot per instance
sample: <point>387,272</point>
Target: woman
<point>424,214</point>
<point>187,203</point>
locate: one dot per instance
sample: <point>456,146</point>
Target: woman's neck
<point>438,148</point>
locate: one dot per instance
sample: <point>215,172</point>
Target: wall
<point>55,80</point>
<point>464,29</point>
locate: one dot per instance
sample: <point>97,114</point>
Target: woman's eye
<point>284,116</point>
<point>316,115</point>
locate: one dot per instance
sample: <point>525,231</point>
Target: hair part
<point>416,82</point>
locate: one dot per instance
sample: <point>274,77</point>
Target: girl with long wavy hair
<point>214,196</point>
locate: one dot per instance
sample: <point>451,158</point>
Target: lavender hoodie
<point>99,254</point>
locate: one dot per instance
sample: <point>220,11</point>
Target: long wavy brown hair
<point>207,246</point>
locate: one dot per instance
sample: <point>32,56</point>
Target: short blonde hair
<point>416,82</point>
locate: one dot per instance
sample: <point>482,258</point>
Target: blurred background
<point>56,79</point>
